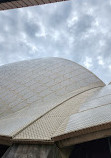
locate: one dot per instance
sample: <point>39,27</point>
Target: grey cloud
<point>44,31</point>
<point>31,28</point>
<point>82,25</point>
<point>58,18</point>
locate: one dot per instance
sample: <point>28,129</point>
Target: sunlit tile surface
<point>92,114</point>
<point>45,127</point>
<point>29,89</point>
<point>89,118</point>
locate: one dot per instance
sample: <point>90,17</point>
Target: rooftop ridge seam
<point>52,109</point>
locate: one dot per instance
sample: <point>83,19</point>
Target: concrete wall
<point>32,151</point>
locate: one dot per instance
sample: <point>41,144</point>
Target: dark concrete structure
<point>12,4</point>
<point>32,151</point>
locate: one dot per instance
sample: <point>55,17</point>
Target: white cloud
<point>100,60</point>
<point>109,67</point>
<point>72,20</point>
<point>88,62</point>
<point>76,30</point>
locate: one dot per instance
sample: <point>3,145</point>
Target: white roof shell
<point>41,99</point>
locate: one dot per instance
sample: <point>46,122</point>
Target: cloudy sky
<point>79,30</point>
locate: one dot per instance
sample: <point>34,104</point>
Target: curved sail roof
<point>93,115</point>
<point>38,95</point>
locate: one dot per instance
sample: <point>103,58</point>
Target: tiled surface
<point>89,118</point>
<point>85,120</point>
<point>95,111</point>
<point>100,98</point>
<point>24,3</point>
<point>45,127</point>
<point>29,89</point>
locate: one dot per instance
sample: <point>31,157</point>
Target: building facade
<point>53,108</point>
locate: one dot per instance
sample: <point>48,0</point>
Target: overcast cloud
<point>79,30</point>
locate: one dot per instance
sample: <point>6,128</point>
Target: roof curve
<point>30,89</point>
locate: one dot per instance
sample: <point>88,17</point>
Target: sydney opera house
<point>53,108</point>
